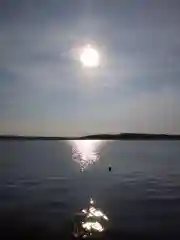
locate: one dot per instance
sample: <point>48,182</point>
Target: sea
<point>44,183</point>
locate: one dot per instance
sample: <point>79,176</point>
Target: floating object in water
<point>110,168</point>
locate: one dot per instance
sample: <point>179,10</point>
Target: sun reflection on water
<point>85,152</point>
<point>89,221</point>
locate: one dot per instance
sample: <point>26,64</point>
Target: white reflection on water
<point>90,222</point>
<point>85,152</point>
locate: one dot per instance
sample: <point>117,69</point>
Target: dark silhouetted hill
<point>121,136</point>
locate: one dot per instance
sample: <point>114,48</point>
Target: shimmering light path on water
<point>41,188</point>
<point>85,152</point>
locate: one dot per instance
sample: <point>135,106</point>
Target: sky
<point>45,91</point>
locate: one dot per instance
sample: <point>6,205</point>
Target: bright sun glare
<point>85,151</point>
<point>89,57</point>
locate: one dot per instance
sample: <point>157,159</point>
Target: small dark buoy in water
<point>110,168</point>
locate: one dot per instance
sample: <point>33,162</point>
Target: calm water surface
<point>41,187</point>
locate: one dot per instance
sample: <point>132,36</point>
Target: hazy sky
<point>45,91</point>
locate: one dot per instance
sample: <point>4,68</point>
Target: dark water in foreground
<point>41,188</point>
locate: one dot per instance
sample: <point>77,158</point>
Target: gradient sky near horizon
<point>45,91</point>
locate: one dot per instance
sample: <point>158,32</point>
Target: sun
<point>89,57</point>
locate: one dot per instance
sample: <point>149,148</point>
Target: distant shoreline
<point>121,136</point>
